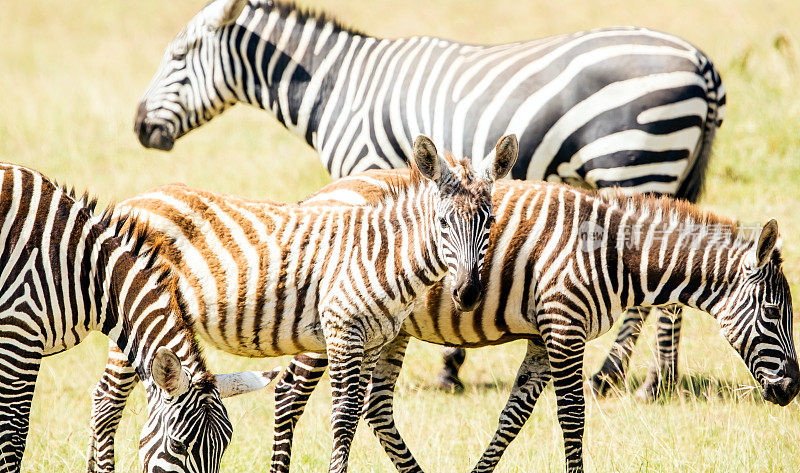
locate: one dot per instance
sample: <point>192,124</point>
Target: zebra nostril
<point>468,295</point>
<point>141,113</point>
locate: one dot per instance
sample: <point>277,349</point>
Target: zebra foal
<point>626,107</point>
<point>66,270</point>
<point>562,264</point>
<point>268,279</point>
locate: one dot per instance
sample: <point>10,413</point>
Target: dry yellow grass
<point>71,73</point>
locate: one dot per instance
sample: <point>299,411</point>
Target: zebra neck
<point>286,60</point>
<point>671,261</point>
<point>134,304</point>
<point>411,233</point>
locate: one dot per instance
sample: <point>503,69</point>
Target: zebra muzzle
<point>468,294</point>
<point>785,389</point>
<point>152,134</point>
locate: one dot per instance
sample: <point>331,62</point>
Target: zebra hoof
<point>601,384</point>
<point>450,383</point>
<point>647,393</point>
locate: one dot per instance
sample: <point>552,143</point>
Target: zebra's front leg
<point>565,350</point>
<point>108,403</point>
<point>291,396</point>
<point>349,362</point>
<point>19,368</point>
<point>532,378</point>
<point>615,366</point>
<point>379,408</point>
<point>663,372</point>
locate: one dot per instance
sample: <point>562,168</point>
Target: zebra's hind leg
<point>108,403</point>
<point>663,372</point>
<point>379,408</point>
<point>532,377</point>
<point>453,358</point>
<point>291,396</point>
<point>615,366</point>
<point>19,368</point>
<point>350,366</point>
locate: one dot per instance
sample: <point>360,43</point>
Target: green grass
<point>70,76</point>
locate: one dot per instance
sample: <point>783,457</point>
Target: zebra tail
<point>692,186</point>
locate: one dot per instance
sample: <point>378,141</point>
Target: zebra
<point>68,270</point>
<point>626,107</point>
<point>561,265</point>
<point>269,279</point>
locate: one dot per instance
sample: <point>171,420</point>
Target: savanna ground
<point>72,71</point>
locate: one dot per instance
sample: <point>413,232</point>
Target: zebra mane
<point>284,8</point>
<point>146,244</point>
<point>676,210</point>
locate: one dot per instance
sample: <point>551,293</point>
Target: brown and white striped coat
<point>535,236</point>
<point>267,279</point>
<point>549,282</point>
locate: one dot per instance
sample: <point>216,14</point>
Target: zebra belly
<point>466,329</point>
<point>256,336</point>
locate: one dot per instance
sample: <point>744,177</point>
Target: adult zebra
<point>66,271</point>
<point>623,107</point>
<point>269,279</point>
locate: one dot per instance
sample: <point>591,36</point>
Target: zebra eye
<point>177,446</point>
<point>772,312</point>
<point>490,221</point>
<point>443,222</point>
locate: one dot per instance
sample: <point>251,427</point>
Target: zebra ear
<point>767,242</point>
<point>505,155</point>
<point>234,384</point>
<point>427,158</point>
<point>168,374</point>
<point>223,12</point>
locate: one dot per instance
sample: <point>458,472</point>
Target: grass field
<point>70,76</point>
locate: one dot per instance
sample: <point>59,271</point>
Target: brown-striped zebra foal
<point>66,270</point>
<point>562,265</point>
<point>267,279</point>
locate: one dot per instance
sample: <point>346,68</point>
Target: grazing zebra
<point>268,279</point>
<point>561,265</point>
<point>68,270</point>
<point>625,107</point>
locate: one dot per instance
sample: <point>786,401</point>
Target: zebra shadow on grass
<point>694,386</point>
<point>701,387</point>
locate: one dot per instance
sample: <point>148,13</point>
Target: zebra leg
<point>108,403</point>
<point>349,361</point>
<point>565,351</point>
<point>612,373</point>
<point>532,377</point>
<point>291,396</point>
<point>453,358</point>
<point>379,408</point>
<point>663,373</point>
<point>19,367</point>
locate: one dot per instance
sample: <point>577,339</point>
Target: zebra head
<point>191,86</point>
<point>756,318</point>
<point>188,429</point>
<point>463,214</point>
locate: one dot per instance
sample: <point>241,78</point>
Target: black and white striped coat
<point>68,270</point>
<point>625,107</point>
